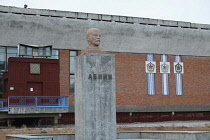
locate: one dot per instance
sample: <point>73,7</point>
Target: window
<point>72,84</point>
<point>1,85</point>
<point>73,54</point>
<point>2,59</point>
<point>34,51</point>
<point>55,54</point>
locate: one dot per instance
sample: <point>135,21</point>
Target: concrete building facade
<point>143,91</point>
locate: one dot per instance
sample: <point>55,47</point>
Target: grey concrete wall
<point>38,110</point>
<point>156,108</point>
<point>162,108</point>
<point>165,135</point>
<point>66,30</point>
<point>28,137</point>
<point>176,135</point>
<point>6,115</point>
<point>119,108</point>
<point>42,137</point>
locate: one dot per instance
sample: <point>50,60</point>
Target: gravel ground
<point>156,124</point>
<point>168,124</point>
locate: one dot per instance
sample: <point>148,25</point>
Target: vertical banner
<point>150,70</point>
<point>178,71</point>
<point>164,70</point>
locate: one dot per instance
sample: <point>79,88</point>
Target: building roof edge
<point>102,17</point>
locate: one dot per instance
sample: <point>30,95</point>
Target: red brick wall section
<point>64,57</point>
<point>131,80</point>
<point>64,72</point>
<point>45,84</point>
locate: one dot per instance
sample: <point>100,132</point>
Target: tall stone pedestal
<point>95,102</point>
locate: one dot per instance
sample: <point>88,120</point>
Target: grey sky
<point>196,11</point>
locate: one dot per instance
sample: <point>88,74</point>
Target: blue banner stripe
<point>150,77</point>
<point>165,84</point>
<point>178,77</point>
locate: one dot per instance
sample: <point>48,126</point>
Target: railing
<point>3,103</point>
<point>37,101</point>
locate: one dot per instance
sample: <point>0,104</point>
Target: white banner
<point>150,66</point>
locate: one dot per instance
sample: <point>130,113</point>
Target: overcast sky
<point>196,11</point>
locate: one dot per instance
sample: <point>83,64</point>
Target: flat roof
<point>101,17</point>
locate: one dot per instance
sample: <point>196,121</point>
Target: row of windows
<point>6,52</point>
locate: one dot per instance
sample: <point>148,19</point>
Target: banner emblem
<point>150,67</point>
<point>178,67</point>
<point>164,67</point>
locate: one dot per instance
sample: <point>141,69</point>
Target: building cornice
<point>102,17</point>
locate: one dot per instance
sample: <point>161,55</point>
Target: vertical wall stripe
<point>165,83</point>
<point>150,77</point>
<point>178,77</point>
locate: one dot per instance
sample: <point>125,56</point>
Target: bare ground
<point>120,128</point>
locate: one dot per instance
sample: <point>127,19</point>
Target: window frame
<point>71,74</point>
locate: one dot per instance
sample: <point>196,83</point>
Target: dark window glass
<point>22,50</point>
<point>55,54</point>
<point>1,84</point>
<point>73,53</point>
<point>72,61</point>
<point>2,61</point>
<point>72,84</point>
<point>41,51</point>
<point>29,51</point>
<point>48,51</point>
<point>11,50</point>
<point>2,50</point>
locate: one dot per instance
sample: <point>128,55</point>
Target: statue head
<point>93,37</point>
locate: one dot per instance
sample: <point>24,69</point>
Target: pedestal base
<point>95,103</point>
